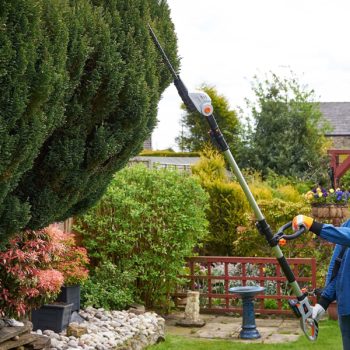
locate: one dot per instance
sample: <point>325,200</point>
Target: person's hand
<point>317,312</point>
<point>302,220</point>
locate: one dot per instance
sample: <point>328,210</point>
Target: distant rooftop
<point>168,160</point>
<point>338,115</point>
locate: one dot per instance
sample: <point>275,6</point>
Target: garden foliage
<point>73,260</point>
<point>148,221</point>
<point>34,266</point>
<point>109,287</point>
<point>79,86</point>
<point>345,181</point>
<point>287,129</point>
<point>232,228</point>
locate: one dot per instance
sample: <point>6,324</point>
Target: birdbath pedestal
<point>247,294</point>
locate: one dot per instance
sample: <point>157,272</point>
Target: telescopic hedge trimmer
<point>201,102</point>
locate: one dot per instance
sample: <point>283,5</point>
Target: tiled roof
<point>338,115</point>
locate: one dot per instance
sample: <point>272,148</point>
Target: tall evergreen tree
<point>80,82</point>
<point>288,132</point>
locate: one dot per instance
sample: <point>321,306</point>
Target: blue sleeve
<point>339,235</point>
<point>329,291</point>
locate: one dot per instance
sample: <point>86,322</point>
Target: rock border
<point>102,330</point>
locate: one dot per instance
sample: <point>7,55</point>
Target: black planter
<point>52,316</point>
<point>70,294</point>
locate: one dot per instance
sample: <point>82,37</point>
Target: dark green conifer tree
<point>80,82</point>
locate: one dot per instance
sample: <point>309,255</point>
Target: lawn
<point>329,339</point>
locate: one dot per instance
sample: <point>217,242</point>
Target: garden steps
<point>7,333</point>
<point>21,337</point>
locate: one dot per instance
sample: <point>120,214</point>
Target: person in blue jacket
<point>338,287</point>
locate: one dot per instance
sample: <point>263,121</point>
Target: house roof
<point>338,115</point>
<point>169,160</point>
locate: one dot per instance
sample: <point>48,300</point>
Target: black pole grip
<point>216,133</point>
<point>183,92</point>
<point>286,269</point>
<point>265,230</point>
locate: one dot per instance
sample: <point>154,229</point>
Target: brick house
<point>338,115</point>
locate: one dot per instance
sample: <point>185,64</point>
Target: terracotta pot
<point>314,211</point>
<point>336,213</point>
<point>324,212</point>
<point>339,212</point>
<point>333,211</point>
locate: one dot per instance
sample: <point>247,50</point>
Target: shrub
<point>277,212</point>
<point>288,193</point>
<point>34,266</point>
<point>345,181</point>
<point>211,167</point>
<point>270,304</point>
<point>228,209</point>
<point>27,279</point>
<point>261,191</point>
<point>147,223</point>
<point>228,212</point>
<point>109,288</point>
<point>231,221</point>
<point>72,261</point>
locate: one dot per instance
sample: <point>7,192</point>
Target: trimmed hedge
<point>80,82</point>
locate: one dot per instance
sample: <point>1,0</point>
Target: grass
<point>329,339</point>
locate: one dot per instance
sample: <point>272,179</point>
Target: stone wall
<point>103,330</point>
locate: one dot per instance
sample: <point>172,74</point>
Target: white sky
<point>226,42</point>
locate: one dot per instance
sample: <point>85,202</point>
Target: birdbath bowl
<point>247,294</point>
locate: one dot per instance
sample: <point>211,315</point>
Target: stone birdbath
<point>247,294</point>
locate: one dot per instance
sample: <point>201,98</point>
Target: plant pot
<point>336,213</point>
<point>333,311</point>
<point>52,316</point>
<point>70,294</point>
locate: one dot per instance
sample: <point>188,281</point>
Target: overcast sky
<point>226,42</point>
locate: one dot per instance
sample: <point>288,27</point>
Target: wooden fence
<point>212,276</point>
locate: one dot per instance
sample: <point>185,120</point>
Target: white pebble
<point>110,329</point>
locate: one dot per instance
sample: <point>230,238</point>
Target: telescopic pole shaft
<point>262,225</point>
<point>215,132</point>
<point>260,218</point>
<point>301,307</point>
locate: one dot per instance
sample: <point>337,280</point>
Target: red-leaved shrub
<point>73,260</point>
<point>35,265</point>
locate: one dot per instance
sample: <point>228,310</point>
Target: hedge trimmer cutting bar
<point>201,102</point>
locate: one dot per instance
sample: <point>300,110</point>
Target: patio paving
<point>272,330</point>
